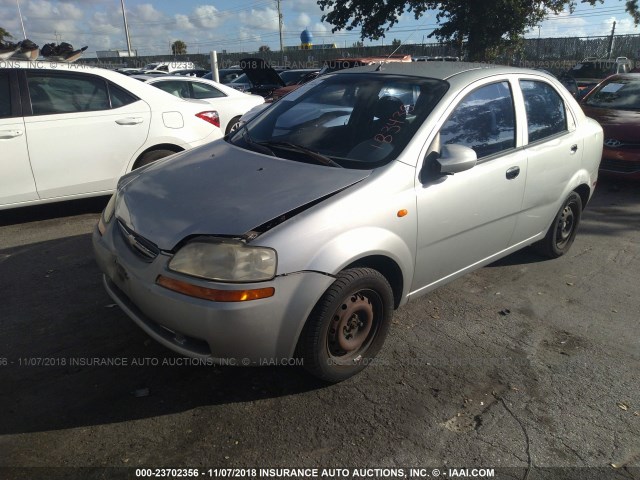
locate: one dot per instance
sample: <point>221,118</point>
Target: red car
<point>615,104</point>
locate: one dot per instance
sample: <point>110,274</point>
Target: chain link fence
<point>554,54</point>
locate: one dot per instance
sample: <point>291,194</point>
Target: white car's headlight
<point>107,214</point>
<point>225,260</point>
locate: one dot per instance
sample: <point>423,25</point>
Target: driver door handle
<point>574,149</point>
<point>513,172</point>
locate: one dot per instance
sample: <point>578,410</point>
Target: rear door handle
<point>4,134</point>
<point>129,121</point>
<point>513,172</point>
<point>574,149</point>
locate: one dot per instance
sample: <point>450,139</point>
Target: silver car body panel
<point>432,228</point>
<point>223,189</point>
<point>257,330</point>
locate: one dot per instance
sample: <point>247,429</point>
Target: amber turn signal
<point>213,294</point>
<point>403,212</point>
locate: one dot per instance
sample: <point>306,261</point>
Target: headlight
<point>225,260</point>
<point>107,214</point>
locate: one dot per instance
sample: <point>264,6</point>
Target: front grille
<point>614,144</point>
<point>619,166</point>
<point>140,245</point>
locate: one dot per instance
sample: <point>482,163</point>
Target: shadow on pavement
<point>56,311</point>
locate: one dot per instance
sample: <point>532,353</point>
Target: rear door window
<point>66,93</point>
<point>5,95</point>
<point>546,112</point>
<point>120,97</point>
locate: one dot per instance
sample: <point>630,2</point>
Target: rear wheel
<point>151,157</point>
<point>563,230</point>
<point>348,325</point>
<point>233,125</point>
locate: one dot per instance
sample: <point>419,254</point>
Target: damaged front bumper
<point>243,333</point>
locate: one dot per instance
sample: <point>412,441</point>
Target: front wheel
<point>563,230</point>
<point>348,325</point>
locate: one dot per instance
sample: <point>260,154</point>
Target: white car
<point>70,131</point>
<point>230,103</point>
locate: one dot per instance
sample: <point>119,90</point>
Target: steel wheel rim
<point>353,327</point>
<point>566,224</point>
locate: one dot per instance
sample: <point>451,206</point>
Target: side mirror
<point>456,159</point>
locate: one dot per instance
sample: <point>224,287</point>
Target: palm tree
<point>179,47</point>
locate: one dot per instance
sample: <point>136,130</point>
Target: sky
<point>240,25</point>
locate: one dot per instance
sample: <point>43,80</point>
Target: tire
<point>348,325</point>
<point>232,125</point>
<point>151,157</point>
<point>563,230</point>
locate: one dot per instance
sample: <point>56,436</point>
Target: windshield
<point>353,120</point>
<point>241,79</point>
<point>620,93</point>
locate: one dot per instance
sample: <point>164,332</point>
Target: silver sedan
<point>299,234</point>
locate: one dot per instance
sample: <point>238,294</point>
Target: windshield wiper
<point>256,145</point>
<point>318,157</point>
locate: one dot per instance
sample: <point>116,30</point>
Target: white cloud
<point>206,16</point>
<point>183,22</point>
<point>147,13</point>
<point>303,20</point>
<point>266,19</point>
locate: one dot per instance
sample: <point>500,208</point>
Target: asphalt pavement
<point>528,363</point>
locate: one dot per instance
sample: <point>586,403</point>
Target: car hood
<point>260,73</point>
<point>617,124</point>
<point>221,189</point>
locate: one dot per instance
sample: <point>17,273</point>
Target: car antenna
<point>401,43</point>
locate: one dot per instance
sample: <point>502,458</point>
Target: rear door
<point>16,179</point>
<point>554,150</point>
<point>82,131</point>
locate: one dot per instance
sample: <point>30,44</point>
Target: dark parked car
<point>591,71</point>
<point>225,75</point>
<point>615,104</point>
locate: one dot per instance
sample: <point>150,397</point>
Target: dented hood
<point>221,189</point>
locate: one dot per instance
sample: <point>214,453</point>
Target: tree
<point>179,47</point>
<point>4,34</point>
<point>396,42</point>
<point>264,48</point>
<point>485,27</point>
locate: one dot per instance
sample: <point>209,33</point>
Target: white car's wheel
<point>233,125</point>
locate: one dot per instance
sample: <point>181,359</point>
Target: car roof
<point>147,92</point>
<point>151,79</point>
<point>439,70</point>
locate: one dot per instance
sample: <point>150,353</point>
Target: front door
<point>466,218</point>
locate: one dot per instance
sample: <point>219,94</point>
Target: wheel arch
<point>161,146</point>
<point>389,268</point>
<point>585,193</point>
